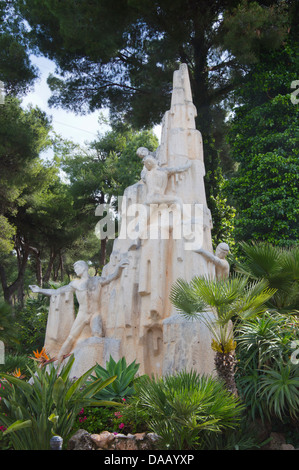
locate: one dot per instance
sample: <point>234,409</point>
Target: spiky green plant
<point>280,387</point>
<point>123,385</point>
<point>218,303</point>
<point>266,377</point>
<point>184,406</point>
<point>47,405</point>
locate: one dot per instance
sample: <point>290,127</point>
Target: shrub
<point>31,322</point>
<point>48,404</point>
<point>184,408</point>
<point>15,362</point>
<point>267,380</point>
<point>94,419</point>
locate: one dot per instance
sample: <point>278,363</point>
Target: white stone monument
<point>165,235</point>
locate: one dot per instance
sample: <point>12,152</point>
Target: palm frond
<point>183,297</point>
<point>262,260</point>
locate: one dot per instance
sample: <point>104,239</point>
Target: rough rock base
<point>106,440</point>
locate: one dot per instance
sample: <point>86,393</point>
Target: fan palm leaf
<point>279,266</point>
<point>217,303</point>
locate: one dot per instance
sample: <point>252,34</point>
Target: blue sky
<point>79,129</point>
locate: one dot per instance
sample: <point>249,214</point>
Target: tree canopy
<point>263,137</point>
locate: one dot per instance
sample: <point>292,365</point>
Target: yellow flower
<point>224,348</point>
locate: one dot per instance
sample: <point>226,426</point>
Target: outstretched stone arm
<point>178,169</point>
<point>209,256</point>
<point>49,292</point>
<point>106,280</point>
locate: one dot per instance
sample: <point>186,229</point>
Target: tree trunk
<point>39,272</point>
<point>22,250</point>
<point>225,367</point>
<point>61,267</point>
<point>50,266</point>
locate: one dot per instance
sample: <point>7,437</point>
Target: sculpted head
<point>80,267</point>
<point>142,152</point>
<point>149,163</point>
<point>222,250</point>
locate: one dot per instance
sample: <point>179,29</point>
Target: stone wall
<point>106,440</point>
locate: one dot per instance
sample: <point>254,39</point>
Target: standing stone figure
<point>88,293</point>
<point>218,259</point>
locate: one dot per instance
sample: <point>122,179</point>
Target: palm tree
<point>223,303</point>
<point>279,266</point>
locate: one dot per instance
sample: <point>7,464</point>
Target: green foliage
<point>228,299</point>
<point>94,419</point>
<point>48,404</point>
<point>123,385</point>
<point>262,137</point>
<point>16,71</point>
<point>186,407</point>
<point>7,328</point>
<point>257,27</point>
<point>7,232</point>
<point>267,379</point>
<point>243,437</point>
<point>23,134</point>
<point>278,266</point>
<point>31,322</point>
<point>15,362</point>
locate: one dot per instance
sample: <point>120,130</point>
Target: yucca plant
<point>183,407</point>
<point>34,411</point>
<point>280,388</point>
<point>267,380</point>
<point>220,304</point>
<point>267,339</point>
<point>123,385</point>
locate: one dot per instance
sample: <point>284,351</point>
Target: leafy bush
<point>31,322</point>
<point>49,404</point>
<point>266,378</point>
<point>7,327</point>
<point>123,385</point>
<point>94,419</point>
<point>185,408</point>
<point>15,362</point>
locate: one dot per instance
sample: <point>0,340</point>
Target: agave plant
<point>48,404</point>
<point>123,385</point>
<point>220,304</point>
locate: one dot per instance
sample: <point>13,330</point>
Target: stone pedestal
<point>187,345</point>
<point>92,351</point>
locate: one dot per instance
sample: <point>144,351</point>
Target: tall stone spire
<point>137,308</point>
<point>138,321</point>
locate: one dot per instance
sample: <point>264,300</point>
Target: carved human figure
<point>88,293</point>
<point>156,179</point>
<point>218,259</point>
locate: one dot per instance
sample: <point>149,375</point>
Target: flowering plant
<point>48,404</point>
